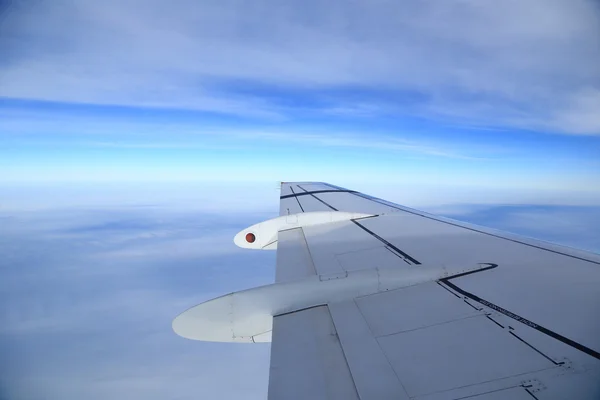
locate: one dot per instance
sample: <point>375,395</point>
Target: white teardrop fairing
<point>247,316</point>
<point>265,233</point>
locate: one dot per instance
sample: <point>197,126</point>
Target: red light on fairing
<point>250,238</point>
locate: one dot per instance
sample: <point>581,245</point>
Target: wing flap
<point>458,353</point>
<point>373,375</point>
<point>307,361</point>
<point>411,308</point>
<point>293,257</point>
<point>344,246</point>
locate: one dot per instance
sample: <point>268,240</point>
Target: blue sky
<point>136,137</point>
<point>463,93</point>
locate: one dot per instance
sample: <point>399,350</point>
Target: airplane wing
<point>373,300</point>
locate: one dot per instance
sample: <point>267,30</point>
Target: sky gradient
<point>464,93</point>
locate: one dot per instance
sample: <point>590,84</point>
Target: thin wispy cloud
<point>532,64</point>
<point>390,144</point>
<point>143,133</point>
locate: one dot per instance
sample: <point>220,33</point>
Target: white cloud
<point>110,131</point>
<point>531,64</point>
<point>582,113</point>
<point>77,325</point>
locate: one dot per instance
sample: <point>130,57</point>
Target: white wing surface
<point>373,300</point>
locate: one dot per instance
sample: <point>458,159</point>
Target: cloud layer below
<point>88,297</point>
<point>88,294</point>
